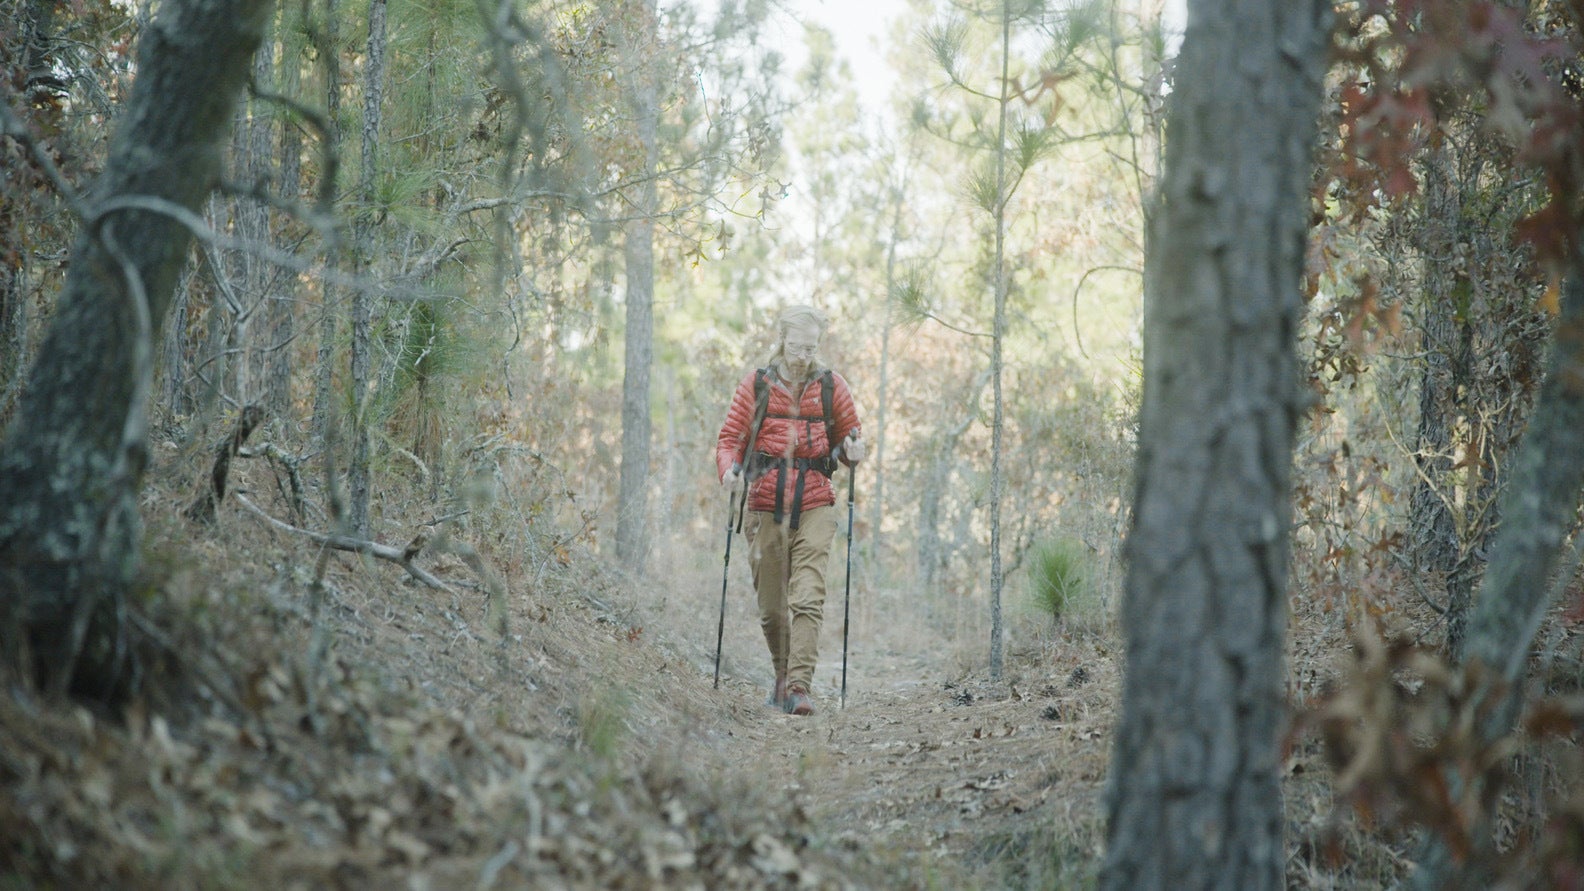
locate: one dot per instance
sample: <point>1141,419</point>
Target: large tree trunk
<point>1195,794</point>
<point>638,255</point>
<point>71,466</point>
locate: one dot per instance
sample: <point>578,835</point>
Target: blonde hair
<point>799,316</point>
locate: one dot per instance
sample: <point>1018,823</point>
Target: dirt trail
<point>961,772</point>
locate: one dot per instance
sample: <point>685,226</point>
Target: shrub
<point>1058,577</point>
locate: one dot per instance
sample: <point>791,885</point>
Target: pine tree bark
<point>638,256</point>
<point>359,480</point>
<point>71,466</point>
<point>1195,790</point>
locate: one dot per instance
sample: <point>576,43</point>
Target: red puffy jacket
<point>806,434</point>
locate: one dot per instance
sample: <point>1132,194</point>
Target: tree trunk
<point>1436,549</point>
<point>358,477</point>
<point>13,338</point>
<point>252,151</point>
<point>1195,789</point>
<point>175,393</point>
<point>927,545</point>
<point>1538,510</point>
<point>872,547</point>
<point>998,333</point>
<point>324,424</point>
<point>942,453</point>
<point>71,466</point>
<point>26,62</point>
<point>1152,23</point>
<point>638,256</point>
<point>281,318</point>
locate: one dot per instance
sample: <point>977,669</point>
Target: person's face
<point>799,345</point>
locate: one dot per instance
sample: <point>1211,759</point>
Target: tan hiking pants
<point>789,574</point>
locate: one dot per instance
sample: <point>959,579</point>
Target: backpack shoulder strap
<point>827,397</point>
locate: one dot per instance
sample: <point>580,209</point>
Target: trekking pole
<point>720,629</point>
<point>852,486</point>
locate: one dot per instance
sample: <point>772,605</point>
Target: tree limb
<point>402,558</point>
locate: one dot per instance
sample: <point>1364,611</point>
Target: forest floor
<point>369,731</point>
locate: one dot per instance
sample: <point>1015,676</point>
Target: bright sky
<point>863,27</point>
<point>860,28</point>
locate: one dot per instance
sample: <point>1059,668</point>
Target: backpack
<point>756,465</point>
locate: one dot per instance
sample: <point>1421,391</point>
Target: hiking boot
<point>798,701</point>
<point>778,694</point>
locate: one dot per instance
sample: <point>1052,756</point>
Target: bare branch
<point>348,543</point>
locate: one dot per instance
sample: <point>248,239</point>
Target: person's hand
<point>853,448</point>
<point>732,477</point>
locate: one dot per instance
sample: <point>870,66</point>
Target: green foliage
<point>984,187</point>
<point>910,304</point>
<point>1059,577</point>
<point>1040,857</point>
<point>1030,143</point>
<point>1080,25</point>
<point>601,720</point>
<point>945,40</point>
<point>400,196</point>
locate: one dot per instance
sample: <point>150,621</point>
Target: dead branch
<point>292,464</point>
<point>202,510</point>
<point>402,558</point>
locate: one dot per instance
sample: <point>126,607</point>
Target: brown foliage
<point>1403,733</point>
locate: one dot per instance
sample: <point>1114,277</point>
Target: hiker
<point>778,441</point>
